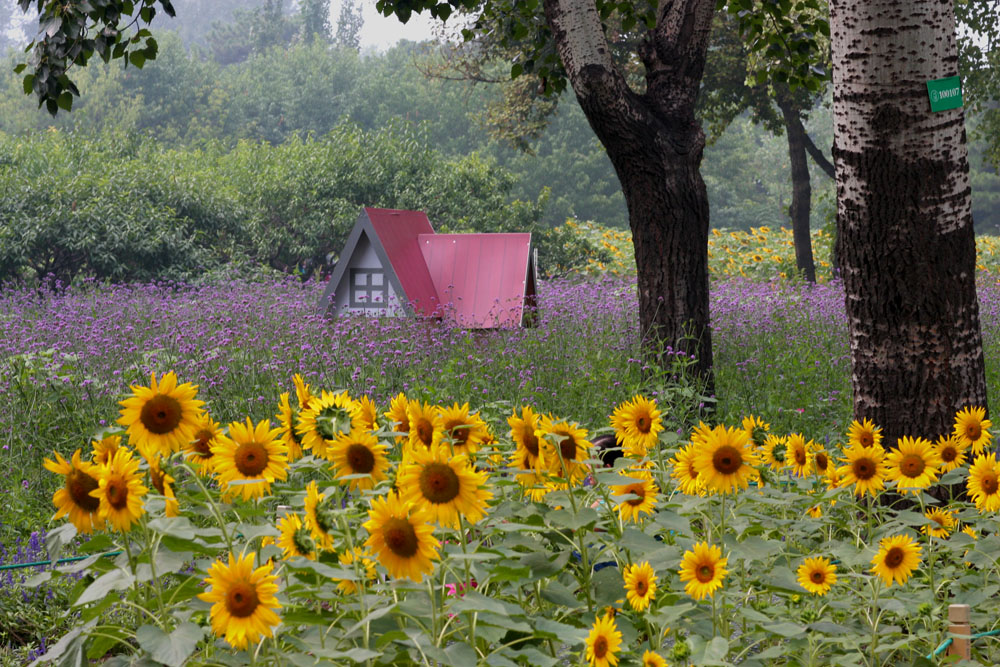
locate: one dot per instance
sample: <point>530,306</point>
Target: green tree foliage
<point>349,24</point>
<point>123,207</point>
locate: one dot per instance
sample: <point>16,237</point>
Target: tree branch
<point>818,157</point>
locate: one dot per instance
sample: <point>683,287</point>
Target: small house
<point>394,264</point>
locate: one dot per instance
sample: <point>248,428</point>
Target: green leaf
<point>516,70</point>
<point>137,58</point>
<point>115,580</point>
<point>785,629</point>
<point>461,654</point>
<point>173,649</point>
<point>716,652</point>
<point>565,518</point>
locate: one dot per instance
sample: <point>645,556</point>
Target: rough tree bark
<point>904,220</point>
<point>655,144</point>
<point>801,188</point>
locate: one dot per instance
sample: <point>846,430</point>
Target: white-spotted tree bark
<point>905,238</point>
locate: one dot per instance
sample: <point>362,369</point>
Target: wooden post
<point>959,624</point>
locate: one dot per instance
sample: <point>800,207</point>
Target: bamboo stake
<point>959,624</point>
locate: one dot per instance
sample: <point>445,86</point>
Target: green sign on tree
<point>945,93</point>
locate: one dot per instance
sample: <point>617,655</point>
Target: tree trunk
<point>655,144</point>
<point>801,188</point>
<point>904,220</point>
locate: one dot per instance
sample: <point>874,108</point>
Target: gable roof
<point>481,279</point>
<point>477,280</point>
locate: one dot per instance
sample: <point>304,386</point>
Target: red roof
<point>479,278</point>
<point>398,232</point>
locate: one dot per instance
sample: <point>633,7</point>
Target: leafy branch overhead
<point>72,31</point>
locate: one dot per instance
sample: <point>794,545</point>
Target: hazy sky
<point>382,32</point>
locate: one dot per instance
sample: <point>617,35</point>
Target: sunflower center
<point>973,431</point>
<point>439,483</point>
<point>325,517</point>
<point>641,588</point>
<point>939,520</point>
<point>949,453</point>
<point>894,557</point>
<point>821,461</point>
<point>990,484</point>
<point>360,458</point>
<point>567,446</point>
<point>161,414</point>
<point>79,485</point>
<point>643,424</point>
<point>705,573</point>
<point>116,491</point>
<point>425,432</point>
<point>250,459</point>
<point>866,439</point>
<point>241,599</point>
<point>400,537</point>
<point>863,468</point>
<point>727,460</point>
<point>800,456</point>
<point>459,432</point>
<point>639,491</point>
<point>600,647</point>
<point>202,443</point>
<point>912,465</point>
<point>531,444</point>
<point>778,453</point>
<point>817,577</point>
<point>156,477</point>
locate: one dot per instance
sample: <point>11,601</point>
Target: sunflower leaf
<point>115,580</point>
<point>173,649</point>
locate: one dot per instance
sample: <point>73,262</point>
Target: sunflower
<point>984,482</point>
<point>120,491</point>
<point>447,485</point>
<point>640,585</point>
<point>897,558</point>
<point>254,456</point>
<point>684,472</point>
<point>369,413</point>
<point>326,418</point>
<point>303,393</point>
<point>817,575</point>
<point>757,430</point>
<point>534,482</point>
<point>942,522</point>
<point>913,464</point>
<point>645,490</point>
<point>815,512</point>
<point>799,454</point>
<point>295,540</point>
<point>952,451</point>
<point>564,448</point>
<point>243,601</point>
<point>398,417</point>
<point>348,558</point>
<point>603,641</point>
<point>703,568</point>
<point>359,453</point>
<point>700,433</point>
<point>319,516</point>
<point>866,469</point>
<point>162,417</point>
<point>74,499</point>
<point>775,451</point>
<point>105,448</point>
<point>426,427</point>
<point>288,419</point>
<point>522,432</point>
<point>637,425</point>
<point>199,448</point>
<point>402,537</point>
<point>820,459</point>
<point>970,427</point>
<point>864,434</point>
<point>161,481</point>
<point>651,659</point>
<point>724,462</point>
<point>466,433</point>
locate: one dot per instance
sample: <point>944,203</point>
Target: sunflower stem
<point>468,577</point>
<point>212,506</point>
